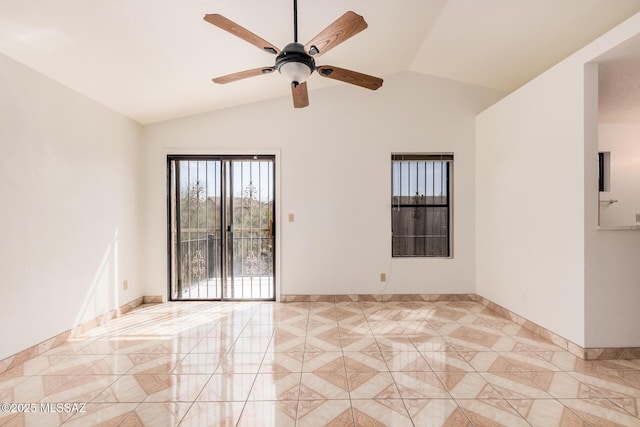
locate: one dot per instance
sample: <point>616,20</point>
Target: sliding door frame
<point>171,221</point>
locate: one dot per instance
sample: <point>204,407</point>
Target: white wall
<point>69,217</point>
<point>622,140</point>
<point>334,175</point>
<point>530,203</point>
<point>537,203</point>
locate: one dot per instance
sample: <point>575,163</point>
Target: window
<point>421,205</point>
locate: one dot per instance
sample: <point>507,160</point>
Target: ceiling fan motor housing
<point>295,63</point>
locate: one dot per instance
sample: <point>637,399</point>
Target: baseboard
<point>612,353</point>
<point>542,332</point>
<point>589,353</point>
<point>565,344</point>
<point>375,297</point>
<point>18,359</point>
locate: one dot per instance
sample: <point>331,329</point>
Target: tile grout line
<point>446,344</point>
<point>304,358</point>
<point>255,378</point>
<point>346,373</point>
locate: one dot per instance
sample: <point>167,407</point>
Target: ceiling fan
<point>295,61</point>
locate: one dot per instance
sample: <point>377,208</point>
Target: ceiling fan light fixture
<point>295,72</point>
<point>295,64</point>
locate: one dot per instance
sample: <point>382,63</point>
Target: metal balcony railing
<point>252,256</point>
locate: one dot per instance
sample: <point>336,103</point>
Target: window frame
<point>447,159</point>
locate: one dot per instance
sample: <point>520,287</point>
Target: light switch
<point>291,217</point>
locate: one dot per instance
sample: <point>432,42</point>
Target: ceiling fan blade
<point>243,75</point>
<point>348,76</point>
<point>238,31</point>
<point>300,95</point>
<point>340,30</point>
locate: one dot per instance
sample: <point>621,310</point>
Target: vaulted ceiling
<point>154,59</point>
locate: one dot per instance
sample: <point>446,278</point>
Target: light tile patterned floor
<point>316,364</point>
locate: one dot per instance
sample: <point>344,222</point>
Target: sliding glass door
<point>221,214</point>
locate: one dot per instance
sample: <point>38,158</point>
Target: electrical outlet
<point>383,277</point>
<point>292,217</point>
<point>125,285</point>
<point>637,217</point>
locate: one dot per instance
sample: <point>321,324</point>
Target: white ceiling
<point>154,59</point>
